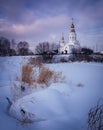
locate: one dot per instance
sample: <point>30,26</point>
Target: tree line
<point>46,50</point>
<point>10,48</point>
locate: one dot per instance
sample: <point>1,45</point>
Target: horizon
<point>42,20</point>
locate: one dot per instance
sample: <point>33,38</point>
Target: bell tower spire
<point>72,26</point>
<point>62,39</point>
<point>72,34</point>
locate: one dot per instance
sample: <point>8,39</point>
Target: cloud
<point>42,29</point>
<point>38,25</point>
<point>42,20</point>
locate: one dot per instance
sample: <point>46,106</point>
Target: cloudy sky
<point>44,20</point>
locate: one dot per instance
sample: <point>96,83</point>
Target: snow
<point>60,106</point>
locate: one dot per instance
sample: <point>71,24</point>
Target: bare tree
<point>42,47</point>
<point>47,50</point>
<point>45,47</point>
<point>23,48</point>
<point>4,46</point>
<point>95,118</point>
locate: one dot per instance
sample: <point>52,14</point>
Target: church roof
<point>72,25</point>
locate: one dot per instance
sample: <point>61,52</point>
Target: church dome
<point>72,25</point>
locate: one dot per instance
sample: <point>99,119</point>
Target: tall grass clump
<point>34,76</point>
<point>27,72</point>
<point>40,75</point>
<point>47,76</point>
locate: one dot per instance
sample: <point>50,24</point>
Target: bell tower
<point>72,35</point>
<point>62,44</point>
<point>62,40</point>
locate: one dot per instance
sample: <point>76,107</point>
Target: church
<point>72,42</point>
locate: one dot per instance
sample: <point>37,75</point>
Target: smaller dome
<point>62,38</point>
<point>72,25</point>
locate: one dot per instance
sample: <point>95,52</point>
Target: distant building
<point>72,42</point>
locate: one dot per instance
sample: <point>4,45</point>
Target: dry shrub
<point>63,60</point>
<point>45,76</point>
<point>27,72</point>
<point>58,77</point>
<point>36,61</point>
<point>48,76</point>
<point>16,93</point>
<point>80,85</point>
<point>95,118</point>
<point>17,78</point>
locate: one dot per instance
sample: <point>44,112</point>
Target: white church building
<point>72,42</point>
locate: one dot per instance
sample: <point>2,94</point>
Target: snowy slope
<point>62,106</point>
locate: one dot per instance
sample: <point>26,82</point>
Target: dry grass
<point>48,76</point>
<point>95,118</point>
<point>34,77</point>
<point>58,77</point>
<point>63,60</point>
<point>16,93</point>
<point>45,75</point>
<point>80,85</point>
<point>36,61</point>
<point>27,72</point>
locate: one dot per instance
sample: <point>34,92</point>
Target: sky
<point>37,21</point>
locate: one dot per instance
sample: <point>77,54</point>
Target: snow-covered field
<point>62,106</point>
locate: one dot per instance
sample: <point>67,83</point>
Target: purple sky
<point>44,20</point>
